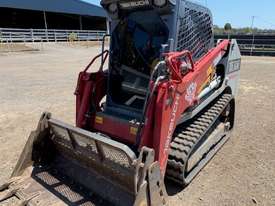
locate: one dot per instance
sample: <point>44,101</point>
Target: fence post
<point>54,35</point>
<point>10,44</point>
<point>87,36</point>
<point>7,42</point>
<point>32,35</point>
<point>252,45</point>
<point>10,37</point>
<point>47,36</point>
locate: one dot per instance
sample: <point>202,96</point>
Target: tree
<point>228,28</point>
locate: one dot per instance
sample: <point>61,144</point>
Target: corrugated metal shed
<point>60,6</point>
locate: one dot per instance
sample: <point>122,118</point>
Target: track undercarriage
<point>196,142</point>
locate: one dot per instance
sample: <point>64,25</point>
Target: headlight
<point>112,8</point>
<point>159,3</point>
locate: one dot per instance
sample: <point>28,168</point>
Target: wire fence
<point>11,35</point>
<point>257,44</point>
<point>253,45</point>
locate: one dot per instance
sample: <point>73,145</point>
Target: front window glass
<point>137,40</point>
<point>135,51</point>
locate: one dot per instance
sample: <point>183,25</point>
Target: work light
<point>159,3</point>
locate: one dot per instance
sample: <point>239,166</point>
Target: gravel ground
<point>242,173</point>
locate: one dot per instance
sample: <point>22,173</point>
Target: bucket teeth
<point>27,200</point>
<point>14,188</point>
<point>8,194</point>
<point>8,183</point>
<point>7,191</point>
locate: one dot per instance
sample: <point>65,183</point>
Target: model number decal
<point>234,65</point>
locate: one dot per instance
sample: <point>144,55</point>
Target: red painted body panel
<point>184,95</point>
<point>172,98</point>
<point>91,88</point>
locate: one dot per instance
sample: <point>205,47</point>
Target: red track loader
<point>161,108</point>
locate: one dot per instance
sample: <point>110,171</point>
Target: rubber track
<point>186,137</point>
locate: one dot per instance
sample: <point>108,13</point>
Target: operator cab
<point>136,44</point>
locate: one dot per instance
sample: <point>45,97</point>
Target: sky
<point>238,12</point>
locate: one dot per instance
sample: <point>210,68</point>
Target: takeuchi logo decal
<point>191,93</point>
<point>135,3</point>
<point>172,123</point>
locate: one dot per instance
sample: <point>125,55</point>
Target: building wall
<point>19,18</point>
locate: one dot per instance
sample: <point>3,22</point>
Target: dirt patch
<point>15,47</point>
<point>35,47</point>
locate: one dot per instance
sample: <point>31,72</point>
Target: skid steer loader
<point>161,108</point>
